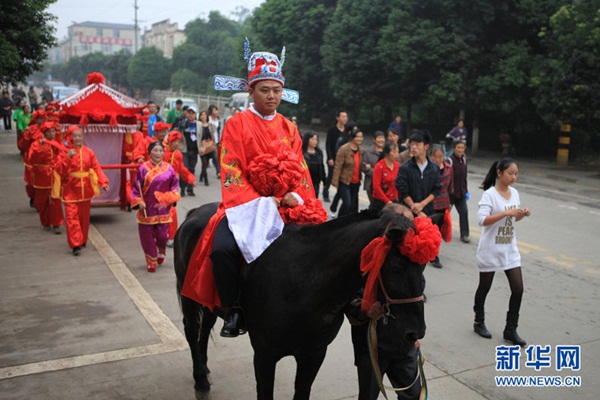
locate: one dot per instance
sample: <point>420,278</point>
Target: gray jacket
<point>370,156</point>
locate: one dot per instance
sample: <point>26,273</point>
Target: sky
<point>149,11</point>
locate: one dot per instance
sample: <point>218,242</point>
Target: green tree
<point>349,56</point>
<point>26,34</point>
<point>149,69</point>
<point>299,26</point>
<point>116,68</point>
<point>185,80</point>
<point>212,47</point>
<point>565,78</point>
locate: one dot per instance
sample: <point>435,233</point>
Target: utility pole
<point>135,33</point>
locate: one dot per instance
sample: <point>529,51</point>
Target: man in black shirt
<point>330,147</point>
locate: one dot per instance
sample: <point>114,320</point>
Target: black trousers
<point>7,122</point>
<point>226,263</point>
<point>190,160</point>
<point>463,216</point>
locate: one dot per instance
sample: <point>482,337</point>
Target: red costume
<point>259,158</point>
<point>384,181</point>
<point>130,143</point>
<point>42,156</point>
<point>81,176</point>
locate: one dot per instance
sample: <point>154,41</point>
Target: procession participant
<point>264,179</point>
<point>174,157</point>
<point>499,211</point>
<point>42,156</point>
<point>130,142</point>
<point>81,176</point>
<point>30,134</point>
<point>140,154</point>
<point>156,189</point>
<point>23,121</point>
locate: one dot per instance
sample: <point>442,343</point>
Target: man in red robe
<point>30,135</point>
<point>265,184</point>
<point>81,176</point>
<point>42,156</point>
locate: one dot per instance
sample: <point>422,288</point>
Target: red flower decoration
<point>311,213</point>
<point>277,171</point>
<point>97,115</point>
<point>95,77</point>
<point>423,245</point>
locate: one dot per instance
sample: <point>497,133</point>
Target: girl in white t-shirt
<point>499,210</point>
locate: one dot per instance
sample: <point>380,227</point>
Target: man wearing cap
<point>253,212</point>
<point>42,157</point>
<point>30,135</point>
<point>81,176</point>
<point>189,130</point>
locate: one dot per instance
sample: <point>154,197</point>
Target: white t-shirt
<point>497,250</point>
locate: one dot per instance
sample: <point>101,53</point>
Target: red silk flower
<point>423,245</point>
<point>277,171</point>
<point>310,213</point>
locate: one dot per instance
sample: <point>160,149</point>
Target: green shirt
<point>23,121</point>
<point>172,116</point>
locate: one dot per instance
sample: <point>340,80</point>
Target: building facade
<point>165,36</point>
<point>89,37</point>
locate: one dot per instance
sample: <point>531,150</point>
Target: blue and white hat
<point>261,66</point>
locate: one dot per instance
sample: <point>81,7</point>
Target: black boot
<point>235,323</point>
<point>510,331</point>
<point>479,324</point>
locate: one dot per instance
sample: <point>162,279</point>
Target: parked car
<point>54,84</point>
<point>60,92</point>
<point>169,104</point>
<point>239,101</point>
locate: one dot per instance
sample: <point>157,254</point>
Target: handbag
<point>207,146</point>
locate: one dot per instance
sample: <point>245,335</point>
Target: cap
<point>192,108</point>
<point>161,126</point>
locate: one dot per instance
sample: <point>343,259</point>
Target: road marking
<point>170,337</point>
<point>573,208</point>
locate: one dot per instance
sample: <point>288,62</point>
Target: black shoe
<point>128,208</point>
<point>76,250</point>
<point>235,324</point>
<point>481,330</point>
<point>191,193</point>
<point>31,203</point>
<point>333,207</point>
<point>511,335</point>
<point>182,193</point>
<point>436,263</point>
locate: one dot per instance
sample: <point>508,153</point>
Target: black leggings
<point>515,280</point>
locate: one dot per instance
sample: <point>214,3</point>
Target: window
<point>99,32</point>
<point>116,33</point>
<point>106,48</point>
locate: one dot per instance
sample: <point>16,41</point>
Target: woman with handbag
<point>206,145</point>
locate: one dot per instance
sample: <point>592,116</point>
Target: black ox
<point>294,295</point>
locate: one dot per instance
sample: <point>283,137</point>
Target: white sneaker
<point>170,243</point>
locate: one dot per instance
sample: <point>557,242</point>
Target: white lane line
<point>160,323</point>
<point>171,339</point>
<point>568,207</point>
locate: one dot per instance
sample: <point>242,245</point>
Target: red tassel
<point>113,119</point>
<point>84,120</point>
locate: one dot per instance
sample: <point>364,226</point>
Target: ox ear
<point>437,219</point>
